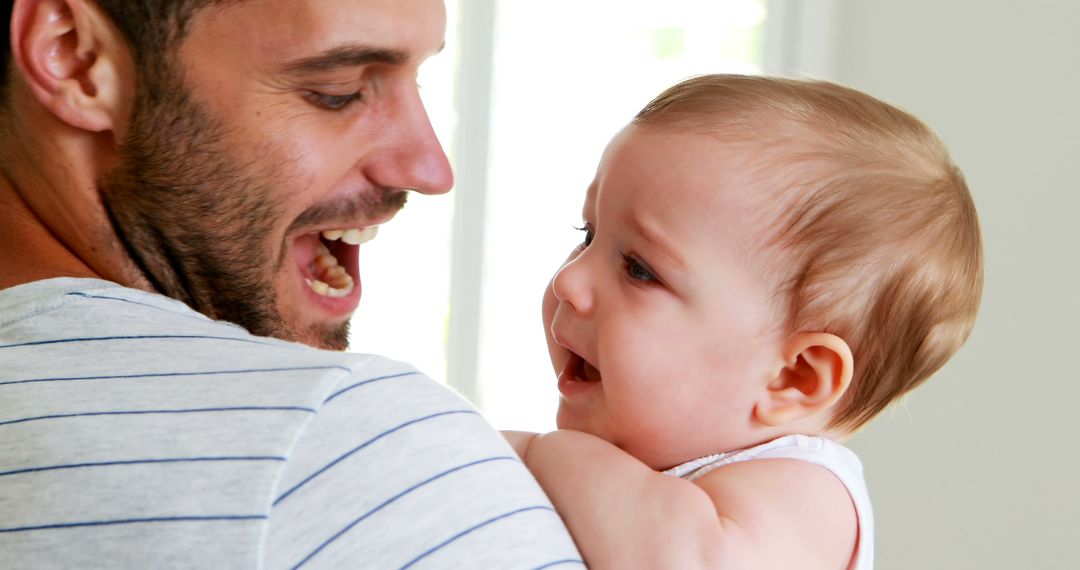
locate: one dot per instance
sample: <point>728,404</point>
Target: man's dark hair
<point>151,27</point>
<point>5,48</point>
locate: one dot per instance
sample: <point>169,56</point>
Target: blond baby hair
<point>877,232</point>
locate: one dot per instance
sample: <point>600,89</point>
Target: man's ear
<point>817,371</point>
<point>73,60</point>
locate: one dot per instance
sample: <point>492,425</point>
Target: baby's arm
<point>751,515</point>
<point>621,513</point>
<point>520,441</point>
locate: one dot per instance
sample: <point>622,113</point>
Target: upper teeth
<point>352,236</point>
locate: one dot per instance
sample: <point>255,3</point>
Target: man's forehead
<point>286,30</point>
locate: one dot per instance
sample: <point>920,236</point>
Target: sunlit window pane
<point>406,270</point>
<point>568,75</point>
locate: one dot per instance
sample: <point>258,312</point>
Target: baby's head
<point>762,257</point>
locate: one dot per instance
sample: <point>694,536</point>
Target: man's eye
<point>588,235</point>
<point>638,271</point>
<point>332,102</point>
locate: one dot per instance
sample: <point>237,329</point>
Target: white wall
<point>981,468</point>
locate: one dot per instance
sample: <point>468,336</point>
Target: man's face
<point>285,123</point>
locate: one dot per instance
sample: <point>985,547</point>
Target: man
<point>231,155</point>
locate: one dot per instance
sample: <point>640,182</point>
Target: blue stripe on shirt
<point>188,314</point>
<point>573,561</point>
<point>370,381</point>
<point>156,412</point>
<point>134,521</point>
<point>143,337</point>
<point>198,316</point>
<point>344,456</point>
<point>127,462</point>
<point>394,498</point>
<point>174,374</point>
<point>474,528</point>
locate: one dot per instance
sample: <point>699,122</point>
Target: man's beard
<point>194,218</point>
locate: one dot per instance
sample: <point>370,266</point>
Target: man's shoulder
<point>125,410</point>
<point>110,330</point>
<point>86,297</point>
<point>80,340</point>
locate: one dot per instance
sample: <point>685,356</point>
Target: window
<point>562,77</point>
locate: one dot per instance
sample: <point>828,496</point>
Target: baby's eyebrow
<point>656,241</point>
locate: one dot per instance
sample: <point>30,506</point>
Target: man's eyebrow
<point>657,242</point>
<point>345,56</point>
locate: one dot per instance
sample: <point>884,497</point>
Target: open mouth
<point>578,377</point>
<point>328,260</point>
<point>580,370</point>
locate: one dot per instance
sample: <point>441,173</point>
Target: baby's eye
<point>332,102</point>
<point>638,271</point>
<point>588,236</point>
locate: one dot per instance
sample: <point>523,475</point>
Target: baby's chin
<point>565,418</point>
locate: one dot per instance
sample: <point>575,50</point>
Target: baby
<point>766,265</point>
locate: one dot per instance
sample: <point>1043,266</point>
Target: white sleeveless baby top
<point>838,459</point>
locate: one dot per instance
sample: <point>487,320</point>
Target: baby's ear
<point>816,373</point>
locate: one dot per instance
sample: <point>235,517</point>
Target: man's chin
<point>321,335</point>
<point>325,336</point>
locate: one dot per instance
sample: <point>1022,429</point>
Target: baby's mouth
<point>581,370</point>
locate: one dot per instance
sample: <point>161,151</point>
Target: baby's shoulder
<point>776,496</point>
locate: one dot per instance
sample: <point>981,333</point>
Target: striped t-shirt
<point>137,433</point>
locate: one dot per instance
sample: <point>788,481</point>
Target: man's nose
<point>573,287</point>
<point>409,155</point>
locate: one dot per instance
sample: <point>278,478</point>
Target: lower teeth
<point>342,289</point>
<point>333,280</point>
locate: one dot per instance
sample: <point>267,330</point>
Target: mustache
<point>367,205</point>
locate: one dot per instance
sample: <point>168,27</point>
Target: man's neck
<point>28,250</point>
<point>52,221</point>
